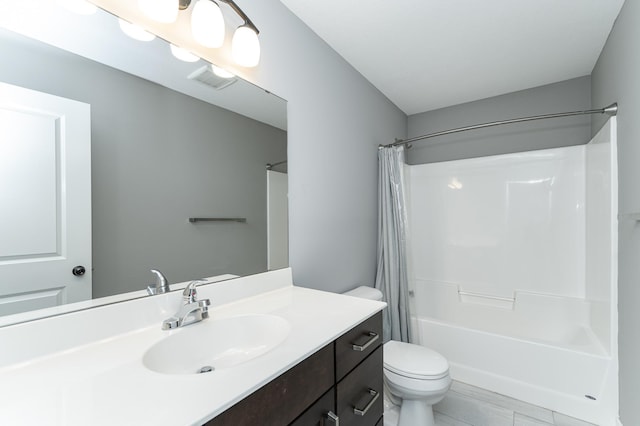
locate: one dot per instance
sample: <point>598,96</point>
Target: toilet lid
<point>414,361</point>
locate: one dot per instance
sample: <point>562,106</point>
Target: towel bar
<point>217,219</point>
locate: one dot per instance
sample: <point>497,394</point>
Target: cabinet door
<point>282,400</point>
<point>359,394</point>
<point>356,344</point>
<point>316,414</point>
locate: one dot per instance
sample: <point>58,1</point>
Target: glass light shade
<point>81,7</point>
<point>245,47</point>
<point>135,31</point>
<point>165,11</point>
<point>221,72</point>
<point>183,55</point>
<point>207,23</point>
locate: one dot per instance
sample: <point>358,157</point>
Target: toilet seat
<point>414,361</point>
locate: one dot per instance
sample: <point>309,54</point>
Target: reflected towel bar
<point>218,219</point>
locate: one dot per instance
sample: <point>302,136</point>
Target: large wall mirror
<point>164,140</point>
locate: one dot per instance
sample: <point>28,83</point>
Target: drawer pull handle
<point>372,338</point>
<point>374,397</point>
<point>331,418</point>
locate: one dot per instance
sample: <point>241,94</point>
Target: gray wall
<point>159,157</point>
<point>570,95</point>
<point>336,119</point>
<point>615,78</point>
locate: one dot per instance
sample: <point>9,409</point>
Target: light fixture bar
<point>240,13</point>
<point>185,4</point>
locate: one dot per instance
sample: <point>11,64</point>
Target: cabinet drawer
<point>315,414</point>
<point>362,389</point>
<point>363,336</point>
<point>282,400</point>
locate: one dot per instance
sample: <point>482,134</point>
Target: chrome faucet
<point>193,310</point>
<point>161,286</point>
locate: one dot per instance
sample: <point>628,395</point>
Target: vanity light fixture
<point>207,23</point>
<point>245,46</point>
<point>208,26</point>
<point>183,54</point>
<point>135,31</point>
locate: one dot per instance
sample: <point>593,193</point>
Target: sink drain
<point>206,369</point>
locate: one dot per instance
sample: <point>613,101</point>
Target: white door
<point>277,221</point>
<point>45,200</point>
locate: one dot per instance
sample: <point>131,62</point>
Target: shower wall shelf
<point>218,219</point>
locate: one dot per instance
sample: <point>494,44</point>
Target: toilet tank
<point>365,292</point>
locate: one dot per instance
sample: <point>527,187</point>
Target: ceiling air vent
<point>206,76</point>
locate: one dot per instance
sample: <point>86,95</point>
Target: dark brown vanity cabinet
<point>339,384</point>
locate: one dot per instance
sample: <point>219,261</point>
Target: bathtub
<point>512,263</point>
<point>534,347</point>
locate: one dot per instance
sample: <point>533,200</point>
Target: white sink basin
<point>216,344</point>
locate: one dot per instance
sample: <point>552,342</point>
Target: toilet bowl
<point>415,375</point>
<point>419,377</point>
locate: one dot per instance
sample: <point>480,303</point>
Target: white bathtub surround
<point>513,265</point>
<point>86,367</point>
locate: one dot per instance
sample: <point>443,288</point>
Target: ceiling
<point>429,54</point>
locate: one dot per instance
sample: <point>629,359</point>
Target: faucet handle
<point>161,286</point>
<point>190,294</point>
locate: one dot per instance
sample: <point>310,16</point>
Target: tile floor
<point>466,405</point>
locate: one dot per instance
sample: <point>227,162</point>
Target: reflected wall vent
<point>206,76</point>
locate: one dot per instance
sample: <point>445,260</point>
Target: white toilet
<point>414,374</point>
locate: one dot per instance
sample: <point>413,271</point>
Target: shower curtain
<point>391,275</point>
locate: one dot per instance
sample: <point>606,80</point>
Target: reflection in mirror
<point>160,141</point>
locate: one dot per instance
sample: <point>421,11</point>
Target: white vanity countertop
<point>105,383</point>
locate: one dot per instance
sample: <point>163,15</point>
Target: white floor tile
<point>562,420</point>
<point>391,416</point>
<point>521,420</point>
<point>442,420</point>
<point>521,407</point>
<point>473,411</point>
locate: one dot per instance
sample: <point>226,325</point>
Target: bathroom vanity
<point>341,381</point>
<point>112,364</point>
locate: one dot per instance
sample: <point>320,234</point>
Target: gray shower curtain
<point>391,276</point>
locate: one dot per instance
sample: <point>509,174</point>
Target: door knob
<point>78,271</point>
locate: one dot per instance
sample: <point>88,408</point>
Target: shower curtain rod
<point>272,165</point>
<point>610,110</point>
